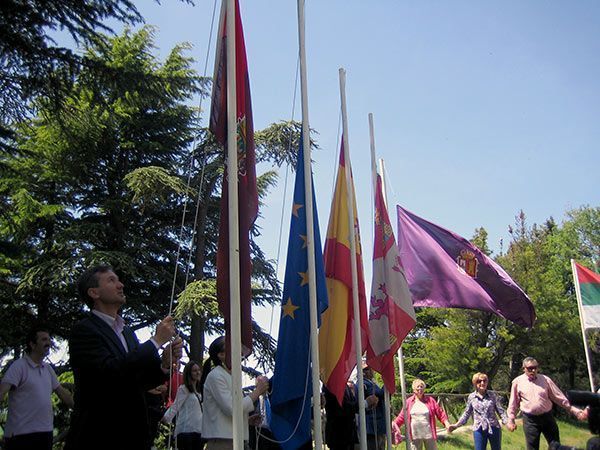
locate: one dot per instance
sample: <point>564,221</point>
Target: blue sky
<point>481,109</point>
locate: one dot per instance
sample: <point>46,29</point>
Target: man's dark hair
<point>31,336</point>
<point>89,279</point>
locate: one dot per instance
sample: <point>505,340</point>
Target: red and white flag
<point>391,312</point>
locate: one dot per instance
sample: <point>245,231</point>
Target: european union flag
<point>292,389</point>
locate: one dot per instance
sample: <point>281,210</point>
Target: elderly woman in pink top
<point>422,412</point>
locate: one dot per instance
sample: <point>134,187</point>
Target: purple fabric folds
<point>444,270</point>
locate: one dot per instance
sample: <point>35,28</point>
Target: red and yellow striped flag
<point>336,336</point>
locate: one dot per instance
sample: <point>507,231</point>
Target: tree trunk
<point>197,338</point>
<point>515,365</point>
<point>199,322</point>
<point>572,367</point>
<point>498,359</point>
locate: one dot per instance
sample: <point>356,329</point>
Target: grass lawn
<point>571,434</point>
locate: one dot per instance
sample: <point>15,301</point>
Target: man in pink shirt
<point>29,382</point>
<point>534,393</point>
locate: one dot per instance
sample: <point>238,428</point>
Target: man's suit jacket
<point>110,409</point>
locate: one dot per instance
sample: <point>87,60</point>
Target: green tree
<point>33,63</point>
<point>68,199</point>
<point>539,260</point>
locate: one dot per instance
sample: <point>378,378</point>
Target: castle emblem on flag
<point>241,146</point>
<point>467,263</point>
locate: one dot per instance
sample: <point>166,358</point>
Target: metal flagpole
<point>400,355</point>
<point>310,236</point>
<point>373,161</point>
<point>403,389</point>
<point>388,425</point>
<point>355,302</point>
<point>388,419</point>
<point>234,241</point>
<point>588,358</point>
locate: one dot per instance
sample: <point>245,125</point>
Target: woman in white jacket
<point>217,421</point>
<point>187,409</point>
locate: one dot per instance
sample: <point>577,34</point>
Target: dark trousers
<point>29,441</point>
<point>189,441</point>
<point>544,424</point>
<point>593,444</point>
<point>376,442</point>
<point>262,439</point>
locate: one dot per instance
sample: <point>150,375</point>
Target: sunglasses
<point>531,368</point>
<point>482,381</point>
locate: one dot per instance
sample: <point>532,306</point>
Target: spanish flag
<point>336,336</point>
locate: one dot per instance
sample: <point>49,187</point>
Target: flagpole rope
<point>287,170</point>
<point>390,186</point>
<point>190,167</point>
<point>190,254</point>
<point>337,153</point>
<point>194,231</point>
<point>285,186</point>
<point>258,434</point>
<point>184,214</point>
<point>308,366</point>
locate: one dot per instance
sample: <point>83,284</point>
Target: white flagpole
<point>580,308</point>
<point>355,301</point>
<point>383,187</point>
<point>310,237</point>
<point>373,159</point>
<point>403,390</point>
<point>388,425</point>
<point>234,241</point>
<point>400,355</point>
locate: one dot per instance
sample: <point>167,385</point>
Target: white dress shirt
<point>116,323</point>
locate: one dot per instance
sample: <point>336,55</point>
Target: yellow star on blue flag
<point>289,308</point>
<point>304,276</point>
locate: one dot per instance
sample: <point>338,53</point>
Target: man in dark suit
<point>375,414</point>
<point>340,425</point>
<point>113,370</point>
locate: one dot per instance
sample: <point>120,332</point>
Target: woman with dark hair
<point>187,409</point>
<point>217,421</point>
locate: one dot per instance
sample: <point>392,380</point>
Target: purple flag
<point>444,270</point>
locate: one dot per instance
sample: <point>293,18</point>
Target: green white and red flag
<point>587,284</point>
